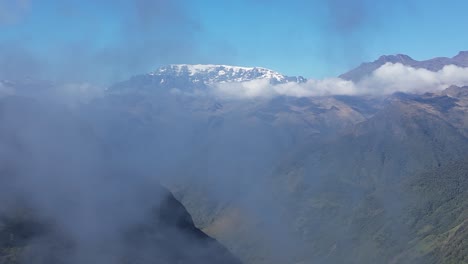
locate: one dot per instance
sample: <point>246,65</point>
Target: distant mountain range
<point>435,64</point>
<point>192,77</point>
<point>222,73</point>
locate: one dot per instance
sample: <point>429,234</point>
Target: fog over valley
<point>131,135</point>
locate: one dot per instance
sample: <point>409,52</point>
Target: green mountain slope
<point>390,190</point>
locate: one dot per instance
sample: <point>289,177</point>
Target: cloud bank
<point>388,79</point>
<point>397,77</point>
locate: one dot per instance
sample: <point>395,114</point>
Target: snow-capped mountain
<point>223,73</point>
<point>185,76</point>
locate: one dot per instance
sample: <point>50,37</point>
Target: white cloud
<point>388,79</point>
<point>263,88</point>
<point>249,89</point>
<point>391,78</point>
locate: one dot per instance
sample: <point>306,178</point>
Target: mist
<point>266,168</point>
<point>387,79</point>
<point>92,160</point>
<point>60,170</point>
<point>56,163</point>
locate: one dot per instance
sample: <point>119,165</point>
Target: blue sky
<point>315,38</point>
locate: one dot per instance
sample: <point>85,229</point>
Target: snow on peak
<point>210,73</point>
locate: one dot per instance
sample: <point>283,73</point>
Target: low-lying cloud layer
<point>397,77</point>
<point>387,79</point>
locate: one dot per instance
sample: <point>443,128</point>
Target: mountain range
<point>192,77</point>
<point>435,64</point>
<point>282,179</point>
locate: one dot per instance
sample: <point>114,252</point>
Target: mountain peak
<point>204,67</point>
<point>461,55</point>
<point>463,52</point>
<point>435,64</point>
<point>194,69</point>
<point>398,58</point>
<point>212,73</point>
<point>200,76</point>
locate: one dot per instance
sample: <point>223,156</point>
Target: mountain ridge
<point>210,73</point>
<point>434,64</point>
<point>187,77</point>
